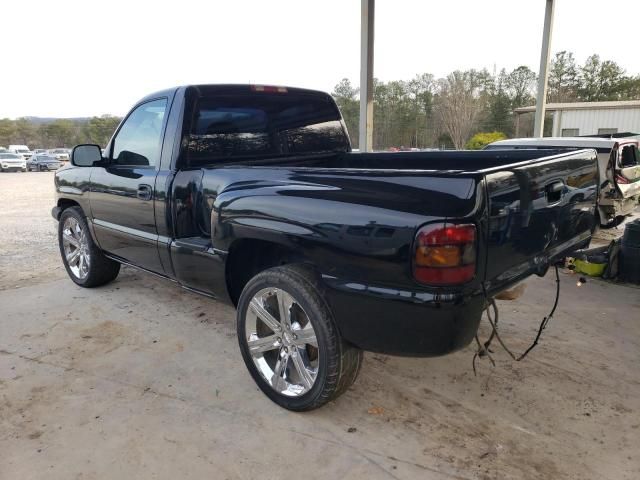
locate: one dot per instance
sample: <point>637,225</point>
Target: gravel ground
<point>140,379</point>
<point>28,243</point>
<point>605,235</point>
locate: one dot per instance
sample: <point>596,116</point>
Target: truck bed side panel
<point>352,224</point>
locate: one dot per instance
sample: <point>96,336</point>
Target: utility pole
<point>543,72</point>
<point>366,75</point>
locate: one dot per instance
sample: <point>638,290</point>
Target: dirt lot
<point>140,379</point>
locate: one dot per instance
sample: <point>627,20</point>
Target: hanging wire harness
<point>484,349</point>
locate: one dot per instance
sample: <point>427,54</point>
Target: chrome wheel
<point>282,342</point>
<point>76,247</point>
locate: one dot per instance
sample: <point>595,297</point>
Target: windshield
<point>260,124</point>
<point>9,155</point>
<point>22,151</point>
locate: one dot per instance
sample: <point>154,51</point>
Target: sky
<point>69,58</point>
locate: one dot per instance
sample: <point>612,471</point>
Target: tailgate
<point>538,210</point>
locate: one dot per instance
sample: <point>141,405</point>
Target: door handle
<point>553,191</point>
<point>144,192</point>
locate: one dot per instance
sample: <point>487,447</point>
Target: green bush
<point>482,139</point>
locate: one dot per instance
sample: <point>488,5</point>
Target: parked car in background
<point>43,163</point>
<point>39,151</point>
<point>618,170</point>
<point>12,162</point>
<point>60,154</point>
<point>21,150</point>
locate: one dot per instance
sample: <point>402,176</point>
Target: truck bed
<point>445,162</point>
<point>346,198</point>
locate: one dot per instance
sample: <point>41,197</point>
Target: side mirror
<point>85,155</point>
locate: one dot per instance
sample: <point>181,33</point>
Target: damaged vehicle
<point>251,195</point>
<point>618,169</point>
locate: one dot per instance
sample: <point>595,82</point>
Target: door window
<point>138,141</point>
<point>628,157</point>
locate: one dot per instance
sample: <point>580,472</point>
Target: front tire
<point>83,260</point>
<point>289,340</point>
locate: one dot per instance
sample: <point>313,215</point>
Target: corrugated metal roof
<point>583,105</point>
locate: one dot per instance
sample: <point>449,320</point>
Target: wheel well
<point>248,257</point>
<point>65,203</point>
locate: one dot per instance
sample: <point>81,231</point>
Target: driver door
<point>122,191</point>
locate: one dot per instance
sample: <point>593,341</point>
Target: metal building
<point>588,118</point>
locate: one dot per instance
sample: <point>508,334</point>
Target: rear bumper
<point>402,322</point>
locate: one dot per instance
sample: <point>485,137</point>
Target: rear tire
<point>84,261</point>
<point>298,360</point>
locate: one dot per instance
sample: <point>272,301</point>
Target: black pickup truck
<point>251,195</point>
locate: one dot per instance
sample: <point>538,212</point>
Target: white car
<point>21,150</point>
<point>61,154</point>
<point>12,162</point>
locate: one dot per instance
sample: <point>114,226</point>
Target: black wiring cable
<point>484,350</point>
<point>494,328</point>
<point>481,352</point>
<point>546,319</point>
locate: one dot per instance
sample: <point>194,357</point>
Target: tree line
<point>424,112</point>
<point>430,112</point>
<point>60,132</point>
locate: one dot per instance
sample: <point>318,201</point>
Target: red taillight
<point>445,254</point>
<point>621,179</point>
<point>268,89</point>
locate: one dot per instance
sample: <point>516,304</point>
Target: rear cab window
<point>259,124</point>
